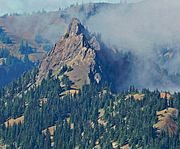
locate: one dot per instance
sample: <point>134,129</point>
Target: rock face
<point>76,50</point>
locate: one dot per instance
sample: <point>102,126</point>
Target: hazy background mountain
<point>29,6</point>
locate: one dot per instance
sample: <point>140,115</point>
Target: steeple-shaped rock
<point>76,28</point>
<point>77,51</point>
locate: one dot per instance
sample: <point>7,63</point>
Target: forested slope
<point>40,117</point>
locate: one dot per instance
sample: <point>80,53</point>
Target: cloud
<point>144,29</point>
<point>140,26</point>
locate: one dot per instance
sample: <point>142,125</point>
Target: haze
<point>28,6</point>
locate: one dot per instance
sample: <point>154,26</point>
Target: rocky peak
<point>76,28</point>
<point>77,50</point>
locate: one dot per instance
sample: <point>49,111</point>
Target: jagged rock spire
<point>78,52</point>
<point>76,28</point>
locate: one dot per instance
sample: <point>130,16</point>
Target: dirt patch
<point>115,144</point>
<point>72,125</point>
<point>51,130</point>
<point>12,121</point>
<point>166,121</point>
<point>125,146</point>
<point>71,92</point>
<point>138,97</point>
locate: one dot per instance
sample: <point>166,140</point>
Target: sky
<point>28,6</point>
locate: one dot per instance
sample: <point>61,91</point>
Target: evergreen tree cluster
<point>12,67</point>
<point>4,38</point>
<point>25,48</point>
